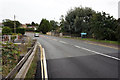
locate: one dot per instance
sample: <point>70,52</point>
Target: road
<point>69,58</point>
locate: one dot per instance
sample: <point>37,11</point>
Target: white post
<point>9,36</point>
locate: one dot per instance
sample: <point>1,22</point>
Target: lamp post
<point>14,25</point>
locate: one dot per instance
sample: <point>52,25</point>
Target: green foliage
<point>62,23</point>
<point>54,25</point>
<point>44,26</point>
<point>6,31</point>
<point>32,24</point>
<point>30,29</point>
<point>97,25</point>
<point>13,37</point>
<point>77,20</point>
<point>10,23</point>
<point>118,31</point>
<point>103,26</point>
<point>21,30</point>
<point>33,67</point>
<point>10,55</point>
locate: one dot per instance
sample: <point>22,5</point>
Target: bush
<point>6,31</point>
<point>30,29</point>
<point>21,30</point>
<point>10,56</point>
<point>118,33</point>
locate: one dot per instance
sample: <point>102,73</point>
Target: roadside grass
<point>94,40</point>
<point>32,70</point>
<point>1,65</point>
<point>24,47</point>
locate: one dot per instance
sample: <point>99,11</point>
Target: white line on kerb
<point>97,52</point>
<point>63,42</point>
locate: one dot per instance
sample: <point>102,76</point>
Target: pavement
<point>68,58</point>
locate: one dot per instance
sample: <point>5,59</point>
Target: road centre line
<point>90,50</point>
<point>55,39</point>
<point>63,42</point>
<point>97,52</point>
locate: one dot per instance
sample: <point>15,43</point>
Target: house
<point>1,24</point>
<point>0,30</point>
<point>23,26</point>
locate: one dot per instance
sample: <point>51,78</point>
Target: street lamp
<point>14,25</point>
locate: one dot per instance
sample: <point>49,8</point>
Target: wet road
<point>68,58</point>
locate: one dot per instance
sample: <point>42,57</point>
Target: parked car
<point>36,34</point>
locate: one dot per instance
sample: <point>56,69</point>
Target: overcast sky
<point>27,11</point>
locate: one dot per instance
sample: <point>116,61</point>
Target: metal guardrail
<point>20,64</point>
<point>23,71</point>
<point>25,63</point>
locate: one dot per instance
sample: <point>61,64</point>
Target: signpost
<point>83,34</point>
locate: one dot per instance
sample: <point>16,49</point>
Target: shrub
<point>21,30</point>
<point>10,56</point>
<point>30,29</point>
<point>6,31</point>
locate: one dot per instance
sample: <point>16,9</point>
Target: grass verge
<point>32,70</point>
<point>94,40</point>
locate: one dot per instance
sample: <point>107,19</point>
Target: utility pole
<point>14,25</point>
<point>118,9</point>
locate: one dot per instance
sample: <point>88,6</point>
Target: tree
<point>54,25</point>
<point>44,26</point>
<point>33,24</point>
<point>10,23</point>
<point>77,20</point>
<point>21,30</point>
<point>29,29</point>
<point>62,23</point>
<point>103,26</point>
<point>28,25</point>
<point>118,31</point>
<point>6,31</point>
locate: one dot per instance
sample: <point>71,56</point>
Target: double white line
<point>43,63</point>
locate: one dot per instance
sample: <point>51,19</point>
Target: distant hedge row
<point>30,29</point>
<point>8,31</point>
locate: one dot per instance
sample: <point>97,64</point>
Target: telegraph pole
<point>118,9</point>
<point>14,25</point>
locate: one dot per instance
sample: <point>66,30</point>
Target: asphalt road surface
<point>68,58</point>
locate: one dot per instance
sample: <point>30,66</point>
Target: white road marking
<point>97,52</point>
<point>77,46</point>
<point>55,39</point>
<point>63,42</point>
